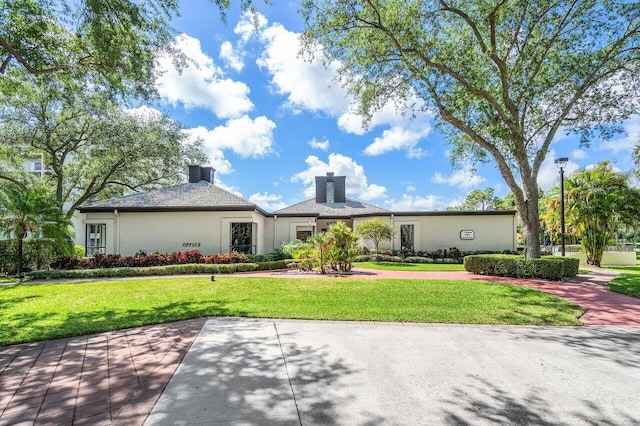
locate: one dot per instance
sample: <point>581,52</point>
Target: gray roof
<point>189,196</point>
<point>334,210</point>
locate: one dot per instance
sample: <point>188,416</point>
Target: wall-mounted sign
<point>190,244</point>
<point>467,234</point>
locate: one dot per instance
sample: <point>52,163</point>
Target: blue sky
<point>272,121</point>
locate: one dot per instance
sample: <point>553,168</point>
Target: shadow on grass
<point>31,327</point>
<point>531,306</point>
<point>628,284</point>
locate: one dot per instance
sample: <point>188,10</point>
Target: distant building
<point>200,215</point>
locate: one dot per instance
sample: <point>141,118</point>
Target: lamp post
<point>561,163</point>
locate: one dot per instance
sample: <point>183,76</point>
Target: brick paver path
<point>106,378</point>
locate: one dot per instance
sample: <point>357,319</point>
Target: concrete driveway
<point>272,372</point>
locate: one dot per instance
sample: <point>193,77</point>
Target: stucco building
<point>200,215</point>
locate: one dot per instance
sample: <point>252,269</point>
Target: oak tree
<point>504,77</point>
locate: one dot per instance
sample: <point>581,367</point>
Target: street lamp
<point>561,163</point>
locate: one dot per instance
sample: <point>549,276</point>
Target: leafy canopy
<point>504,77</point>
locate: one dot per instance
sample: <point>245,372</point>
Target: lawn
<point>397,266</point>
<point>628,282</point>
<point>48,311</point>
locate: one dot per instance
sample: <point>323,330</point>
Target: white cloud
<point>579,154</point>
<point>417,203</point>
<point>410,188</point>
<point>270,202</point>
<point>315,144</point>
<point>356,180</point>
<point>232,58</point>
<point>244,136</point>
<point>201,83</point>
<point>549,174</point>
<point>462,179</point>
<point>307,85</point>
<point>312,86</point>
<point>625,145</point>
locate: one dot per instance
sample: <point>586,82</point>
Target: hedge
<point>37,254</point>
<point>193,268</point>
<point>551,268</point>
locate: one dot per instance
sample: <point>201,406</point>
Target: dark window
<point>304,233</point>
<point>406,237</point>
<point>242,237</point>
<point>96,241</point>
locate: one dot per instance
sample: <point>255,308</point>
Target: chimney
<point>197,173</point>
<point>330,189</point>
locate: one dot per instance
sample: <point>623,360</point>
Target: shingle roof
<point>346,209</point>
<point>202,195</point>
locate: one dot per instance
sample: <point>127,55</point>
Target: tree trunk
<point>528,211</point>
<point>20,256</point>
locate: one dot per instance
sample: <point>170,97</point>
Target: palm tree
<point>598,201</point>
<point>31,210</point>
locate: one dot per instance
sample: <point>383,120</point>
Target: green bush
<point>571,265</point>
<point>417,259</point>
<point>37,254</point>
<point>78,251</point>
<point>191,268</point>
<point>385,258</point>
<point>551,268</point>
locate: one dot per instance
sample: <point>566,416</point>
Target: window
<point>242,237</point>
<point>406,237</point>
<point>96,242</point>
<point>37,166</point>
<point>304,233</point>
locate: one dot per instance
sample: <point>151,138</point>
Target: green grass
<point>397,266</point>
<point>628,282</point>
<point>48,311</point>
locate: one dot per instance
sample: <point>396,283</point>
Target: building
<point>200,215</point>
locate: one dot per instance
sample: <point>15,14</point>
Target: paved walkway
<point>116,377</point>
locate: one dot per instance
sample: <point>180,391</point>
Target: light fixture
<point>561,164</point>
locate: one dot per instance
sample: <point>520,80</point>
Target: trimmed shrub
<point>516,266</point>
<point>183,269</point>
<point>417,259</point>
<point>571,265</point>
<point>385,258</point>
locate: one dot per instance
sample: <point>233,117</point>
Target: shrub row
<point>193,268</point>
<point>551,268</point>
<point>450,253</point>
<point>37,254</point>
<point>142,259</point>
<point>410,259</point>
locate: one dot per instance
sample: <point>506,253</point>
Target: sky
<point>271,121</point>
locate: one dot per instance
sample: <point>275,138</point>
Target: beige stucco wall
<point>283,229</point>
<point>613,258</point>
<point>209,232</point>
<point>491,232</point>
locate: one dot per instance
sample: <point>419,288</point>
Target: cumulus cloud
<point>357,185</point>
<point>231,56</point>
<point>410,188</point>
<point>314,86</point>
<point>462,179</point>
<point>417,203</point>
<point>579,154</point>
<point>201,83</point>
<point>307,85</point>
<point>249,138</point>
<point>315,144</point>
<point>270,202</point>
<point>626,144</point>
<point>549,174</point>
